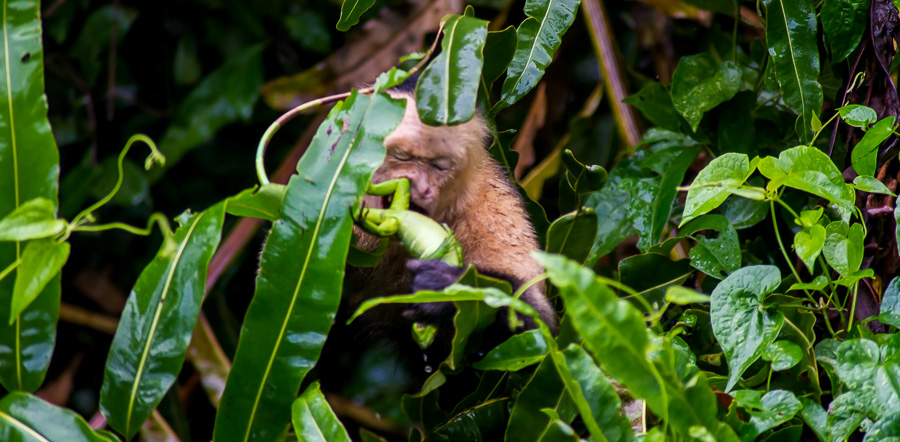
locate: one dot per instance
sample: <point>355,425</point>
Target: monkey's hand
<point>432,275</point>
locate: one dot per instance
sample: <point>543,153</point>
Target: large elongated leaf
<point>148,350</point>
<point>791,37</point>
<point>24,417</point>
<point>652,368</point>
<point>539,37</point>
<point>29,168</point>
<point>302,269</point>
<point>447,90</point>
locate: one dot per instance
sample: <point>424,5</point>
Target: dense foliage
<point>726,274</point>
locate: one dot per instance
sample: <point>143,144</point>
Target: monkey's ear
<point>433,274</point>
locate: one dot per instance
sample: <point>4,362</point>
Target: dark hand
<point>432,275</point>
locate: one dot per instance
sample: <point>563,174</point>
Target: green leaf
<point>865,154</point>
<point>862,365</point>
<point>544,390</point>
<point>351,11</point>
<point>448,88</point>
<point>263,203</point>
<point>302,268</point>
<point>791,37</point>
<point>651,368</point>
<point>871,185</point>
<point>818,283</point>
<point>480,422</point>
<point>714,256</point>
<point>783,355</point>
<point>683,296</point>
<point>714,183</point>
<point>34,219</point>
<point>515,353</point>
<point>886,428</point>
<point>844,22</point>
<point>314,419</point>
<point>29,169</point>
<point>699,85</point>
<point>810,170</point>
<point>593,394</point>
<point>857,115</point>
<point>224,96</point>
<point>742,325</point>
<point>844,247</point>
<point>539,37</point>
<point>773,409</point>
<point>815,417</point>
<point>569,234</point>
<point>148,349</point>
<point>24,417</point>
<point>42,260</point>
<point>890,304</point>
<point>847,411</point>
<point>499,50</point>
<point>623,208</point>
<point>808,244</point>
<point>655,104</point>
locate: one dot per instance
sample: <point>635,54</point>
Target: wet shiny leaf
<point>771,410</point>
<point>314,420</point>
<point>302,269</point>
<point>673,162</point>
<point>24,417</point>
<point>890,304</point>
<point>42,260</point>
<point>844,22</point>
<point>567,235</point>
<point>871,185</point>
<point>448,88</point>
<point>539,37</point>
<point>743,327</point>
<point>791,37</point>
<point>699,85</point>
<point>650,274</point>
<point>718,256</point>
<point>29,169</point>
<point>34,219</point>
<point>156,326</point>
<point>655,104</point>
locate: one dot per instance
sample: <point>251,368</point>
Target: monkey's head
<point>437,161</point>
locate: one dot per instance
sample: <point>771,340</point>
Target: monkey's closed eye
<point>399,156</point>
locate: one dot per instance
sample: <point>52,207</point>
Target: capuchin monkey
<point>454,181</point>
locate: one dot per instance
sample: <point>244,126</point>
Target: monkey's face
<point>431,158</point>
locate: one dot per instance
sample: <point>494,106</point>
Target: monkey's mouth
<point>387,200</point>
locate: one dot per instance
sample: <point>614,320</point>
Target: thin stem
<point>852,309</point>
<point>769,379</point>
<point>10,268</point>
<point>823,128</point>
<point>155,157</point>
<point>783,251</point>
<point>157,218</point>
